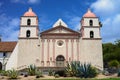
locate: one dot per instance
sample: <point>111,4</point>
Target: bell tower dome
<point>29,25</point>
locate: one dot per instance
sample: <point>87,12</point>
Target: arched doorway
<point>60,61</point>
<point>0,66</point>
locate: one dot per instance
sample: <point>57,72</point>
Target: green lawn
<point>82,79</point>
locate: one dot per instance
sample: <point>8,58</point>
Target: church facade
<point>58,45</point>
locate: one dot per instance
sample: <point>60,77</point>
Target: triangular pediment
<point>60,22</point>
<point>60,30</point>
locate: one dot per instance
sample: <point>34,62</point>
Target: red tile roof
<point>7,46</point>
<point>29,13</point>
<point>89,14</point>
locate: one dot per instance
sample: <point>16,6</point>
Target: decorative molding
<point>48,40</point>
<point>42,40</point>
<point>27,38</point>
<point>77,49</point>
<point>48,50</point>
<point>60,37</point>
<point>53,49</point>
<point>77,40</point>
<point>66,49</point>
<point>60,34</point>
<point>48,63</point>
<point>91,26</point>
<point>61,27</point>
<point>42,49</point>
<point>72,40</point>
<point>29,16</point>
<point>91,38</point>
<point>53,40</point>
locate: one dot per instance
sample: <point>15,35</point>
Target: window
<point>28,33</point>
<point>60,58</point>
<point>91,34</point>
<point>91,22</point>
<point>4,54</point>
<point>60,43</point>
<point>28,22</point>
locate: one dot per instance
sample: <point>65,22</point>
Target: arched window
<point>91,22</point>
<point>28,33</point>
<point>91,34</point>
<point>60,58</point>
<point>28,22</point>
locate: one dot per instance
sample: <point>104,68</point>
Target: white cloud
<point>9,28</point>
<point>109,13</point>
<point>106,7</point>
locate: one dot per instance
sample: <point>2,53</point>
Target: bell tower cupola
<point>90,26</point>
<point>29,25</point>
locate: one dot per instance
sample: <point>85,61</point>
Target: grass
<point>81,79</point>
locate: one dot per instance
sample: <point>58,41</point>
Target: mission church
<point>55,47</point>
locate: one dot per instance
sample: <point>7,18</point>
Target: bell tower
<point>91,40</point>
<point>28,40</point>
<point>90,26</point>
<point>29,25</point>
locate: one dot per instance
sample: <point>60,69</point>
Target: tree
<point>111,51</point>
<point>114,63</point>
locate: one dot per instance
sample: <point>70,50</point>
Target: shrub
<point>56,75</point>
<point>113,63</point>
<point>13,74</point>
<point>86,71</point>
<point>80,70</point>
<point>38,74</point>
<point>50,72</point>
<point>71,69</point>
<point>4,73</point>
<point>32,70</point>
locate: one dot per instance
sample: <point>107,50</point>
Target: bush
<point>86,71</point>
<point>114,63</point>
<point>38,74</point>
<point>4,73</point>
<point>50,72</point>
<point>32,70</point>
<point>56,75</point>
<point>80,70</point>
<point>71,69</point>
<point>13,74</point>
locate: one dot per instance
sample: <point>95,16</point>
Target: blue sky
<point>49,11</point>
